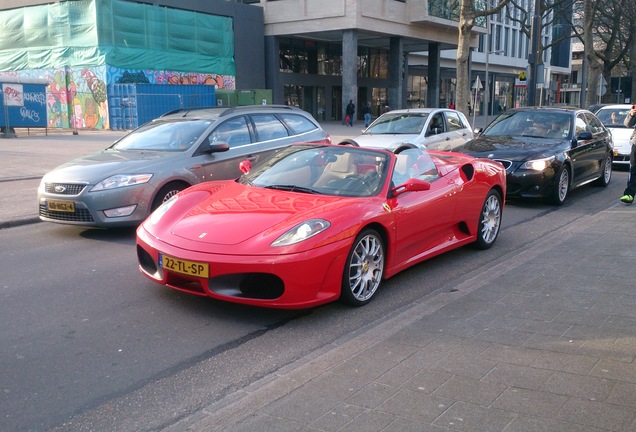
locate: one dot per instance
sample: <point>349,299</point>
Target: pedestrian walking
<point>630,190</point>
<point>451,105</point>
<point>366,111</point>
<point>351,110</point>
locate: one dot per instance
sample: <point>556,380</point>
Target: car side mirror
<point>584,136</point>
<point>245,166</point>
<point>411,185</point>
<point>215,147</point>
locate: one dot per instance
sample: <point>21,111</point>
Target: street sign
<point>477,85</point>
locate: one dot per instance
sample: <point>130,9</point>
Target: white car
<point>612,117</point>
<point>429,128</point>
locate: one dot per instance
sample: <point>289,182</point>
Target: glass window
<point>268,127</point>
<point>233,131</point>
<point>454,122</point>
<point>580,125</point>
<point>595,125</point>
<point>298,123</point>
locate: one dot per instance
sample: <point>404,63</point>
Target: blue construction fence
<point>131,105</point>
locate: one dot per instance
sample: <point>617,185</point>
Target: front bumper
<point>90,208</point>
<point>291,281</point>
<point>530,184</point>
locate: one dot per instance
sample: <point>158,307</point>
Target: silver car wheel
<point>564,184</point>
<point>490,219</point>
<point>364,269</point>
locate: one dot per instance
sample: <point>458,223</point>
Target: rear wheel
<point>167,192</point>
<point>606,172</point>
<point>489,220</point>
<point>364,269</point>
<point>561,188</point>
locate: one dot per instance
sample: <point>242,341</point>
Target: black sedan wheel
<point>606,174</point>
<point>489,221</point>
<point>561,188</point>
<point>364,269</point>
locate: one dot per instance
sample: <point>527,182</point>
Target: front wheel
<point>167,192</point>
<point>489,220</point>
<point>364,269</point>
<point>561,188</point>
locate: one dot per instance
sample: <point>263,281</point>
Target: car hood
<point>390,141</point>
<point>98,166</point>
<point>509,147</point>
<point>230,213</point>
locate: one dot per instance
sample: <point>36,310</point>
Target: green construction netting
<point>117,33</point>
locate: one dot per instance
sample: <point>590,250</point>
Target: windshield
<point>398,123</point>
<point>536,124</point>
<point>613,117</point>
<point>172,136</point>
<point>328,170</point>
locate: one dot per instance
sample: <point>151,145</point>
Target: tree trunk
<point>466,23</point>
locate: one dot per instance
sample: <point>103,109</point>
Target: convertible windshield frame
<point>327,170</point>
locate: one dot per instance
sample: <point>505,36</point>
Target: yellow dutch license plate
<point>61,206</point>
<point>191,268</point>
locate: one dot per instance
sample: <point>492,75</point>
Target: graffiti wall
<point>77,97</point>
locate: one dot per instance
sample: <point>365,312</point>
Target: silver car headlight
<point>302,232</point>
<point>538,164</point>
<point>121,180</point>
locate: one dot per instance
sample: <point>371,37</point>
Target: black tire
<point>349,142</point>
<point>489,220</point>
<point>561,188</point>
<point>364,268</point>
<point>167,192</point>
<point>606,172</point>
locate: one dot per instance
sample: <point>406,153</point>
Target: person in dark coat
<point>351,110</point>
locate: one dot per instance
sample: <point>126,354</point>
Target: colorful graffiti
<point>77,97</point>
<point>130,76</point>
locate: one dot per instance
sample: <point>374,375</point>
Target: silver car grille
<point>79,215</point>
<point>64,188</point>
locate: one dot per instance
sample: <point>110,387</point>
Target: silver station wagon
<point>123,184</point>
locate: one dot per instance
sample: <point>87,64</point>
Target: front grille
<point>506,163</point>
<point>68,188</point>
<point>79,215</point>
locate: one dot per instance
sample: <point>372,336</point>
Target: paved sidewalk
<point>541,341</point>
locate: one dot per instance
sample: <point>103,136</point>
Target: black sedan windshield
<point>533,124</point>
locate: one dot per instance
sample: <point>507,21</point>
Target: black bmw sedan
<point>547,151</point>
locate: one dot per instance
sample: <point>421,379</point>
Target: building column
<point>398,65</point>
<point>272,69</point>
<point>434,75</point>
<point>350,70</point>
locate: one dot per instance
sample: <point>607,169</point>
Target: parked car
<point>317,223</point>
<point>612,117</point>
<point>430,128</point>
<point>122,184</point>
<point>547,151</point>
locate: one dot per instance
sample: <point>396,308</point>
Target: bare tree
<point>467,15</point>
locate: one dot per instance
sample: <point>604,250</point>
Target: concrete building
<point>320,54</point>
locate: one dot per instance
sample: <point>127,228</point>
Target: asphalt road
<point>90,344</point>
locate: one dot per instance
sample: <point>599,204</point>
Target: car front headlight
<point>538,164</point>
<point>121,180</point>
<point>161,210</point>
<point>302,232</point>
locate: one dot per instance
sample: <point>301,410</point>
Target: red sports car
<point>318,223</point>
